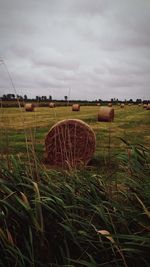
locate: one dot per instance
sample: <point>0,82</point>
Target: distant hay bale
<point>139,105</point>
<point>29,107</point>
<point>145,106</point>
<point>70,143</point>
<point>122,105</point>
<point>106,114</point>
<point>129,104</point>
<point>52,105</point>
<point>118,104</point>
<point>98,104</point>
<point>109,104</point>
<point>75,107</point>
<point>148,107</point>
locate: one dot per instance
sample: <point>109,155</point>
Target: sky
<point>86,49</point>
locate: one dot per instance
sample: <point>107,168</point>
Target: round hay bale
<point>122,105</point>
<point>139,105</point>
<point>129,104</point>
<point>98,104</point>
<point>29,107</point>
<point>118,104</point>
<point>75,107</point>
<point>109,104</point>
<point>106,114</point>
<point>148,107</point>
<point>145,106</point>
<point>70,143</point>
<point>52,105</point>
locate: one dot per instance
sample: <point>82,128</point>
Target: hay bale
<point>109,104</point>
<point>148,107</point>
<point>29,107</point>
<point>145,106</point>
<point>118,104</point>
<point>106,114</point>
<point>139,105</point>
<point>122,105</point>
<point>52,105</point>
<point>75,107</point>
<point>70,143</point>
<point>129,104</point>
<point>98,104</point>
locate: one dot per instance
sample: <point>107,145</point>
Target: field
<point>96,216</point>
<point>130,124</point>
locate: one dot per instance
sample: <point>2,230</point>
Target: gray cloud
<point>95,49</point>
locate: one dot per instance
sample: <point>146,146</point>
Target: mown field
<point>94,217</point>
<point>131,124</point>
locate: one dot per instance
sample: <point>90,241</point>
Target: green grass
<point>54,217</point>
<point>131,123</point>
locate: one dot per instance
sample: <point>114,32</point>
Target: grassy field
<point>131,124</point>
<point>98,216</point>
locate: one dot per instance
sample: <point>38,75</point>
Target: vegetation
<point>97,216</point>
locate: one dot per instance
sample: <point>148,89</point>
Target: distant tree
<point>4,97</point>
<point>138,100</point>
<point>25,97</point>
<point>66,97</point>
<point>44,97</point>
<point>130,100</point>
<point>50,97</point>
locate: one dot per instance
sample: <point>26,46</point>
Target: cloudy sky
<point>89,49</point>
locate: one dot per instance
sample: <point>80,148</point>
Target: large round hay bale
<point>122,105</point>
<point>75,107</point>
<point>106,114</point>
<point>70,143</point>
<point>145,106</point>
<point>139,104</point>
<point>109,104</point>
<point>98,104</point>
<point>29,107</point>
<point>148,107</point>
<point>52,105</point>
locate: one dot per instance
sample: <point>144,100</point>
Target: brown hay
<point>148,107</point>
<point>29,107</point>
<point>139,105</point>
<point>52,105</point>
<point>122,105</point>
<point>109,104</point>
<point>145,106</point>
<point>98,104</point>
<point>75,107</point>
<point>70,143</point>
<point>106,114</point>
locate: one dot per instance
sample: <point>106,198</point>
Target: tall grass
<point>72,219</point>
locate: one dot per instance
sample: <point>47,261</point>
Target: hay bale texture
<point>70,143</point>
<point>29,107</point>
<point>75,107</point>
<point>148,107</point>
<point>145,106</point>
<point>106,114</point>
<point>52,105</point>
<point>109,104</point>
<point>122,105</point>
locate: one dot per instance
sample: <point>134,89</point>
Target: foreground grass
<point>76,218</point>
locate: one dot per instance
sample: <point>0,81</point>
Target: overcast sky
<point>89,49</point>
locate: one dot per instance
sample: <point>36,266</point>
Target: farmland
<point>130,124</point>
<point>96,216</point>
